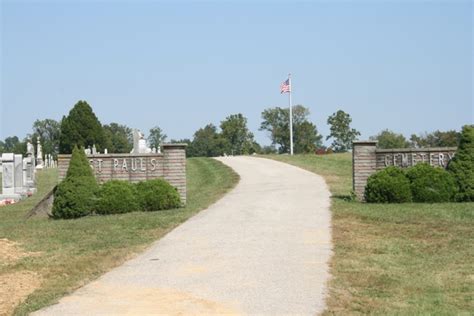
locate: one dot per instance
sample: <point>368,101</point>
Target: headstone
<point>30,149</point>
<point>24,172</point>
<point>8,177</point>
<point>94,150</point>
<point>18,163</point>
<point>106,151</point>
<point>39,155</point>
<point>87,151</point>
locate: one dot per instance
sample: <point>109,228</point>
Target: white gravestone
<point>8,177</point>
<point>39,155</point>
<point>18,179</point>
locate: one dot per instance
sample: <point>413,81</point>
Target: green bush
<point>75,196</point>
<point>117,197</point>
<point>157,194</point>
<point>389,185</point>
<point>462,165</point>
<point>430,184</point>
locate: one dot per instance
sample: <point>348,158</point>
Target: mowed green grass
<point>73,252</point>
<point>397,259</point>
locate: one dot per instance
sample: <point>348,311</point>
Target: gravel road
<point>262,249</point>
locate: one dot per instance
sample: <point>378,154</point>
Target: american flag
<point>285,86</point>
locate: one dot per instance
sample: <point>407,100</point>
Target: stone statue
<point>39,155</point>
<point>139,143</point>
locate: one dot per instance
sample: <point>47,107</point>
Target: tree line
<point>81,127</point>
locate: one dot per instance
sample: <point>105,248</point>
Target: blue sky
<point>402,65</point>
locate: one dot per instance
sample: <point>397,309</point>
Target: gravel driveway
<point>262,249</point>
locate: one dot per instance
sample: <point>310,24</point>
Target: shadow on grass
<point>344,197</point>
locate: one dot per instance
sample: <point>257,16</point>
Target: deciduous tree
<point>305,134</point>
<point>235,131</point>
<point>119,138</point>
<point>387,139</point>
<point>49,131</point>
<point>156,137</point>
<point>341,132</point>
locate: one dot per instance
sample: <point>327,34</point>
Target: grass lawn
<point>405,259</point>
<point>70,253</point>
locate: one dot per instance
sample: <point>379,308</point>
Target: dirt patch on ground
<point>135,300</point>
<point>14,288</point>
<point>10,252</point>
<point>17,285</point>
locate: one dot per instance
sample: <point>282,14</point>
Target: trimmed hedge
<point>157,194</point>
<point>116,197</point>
<point>430,184</point>
<point>462,166</point>
<point>389,185</point>
<point>75,196</point>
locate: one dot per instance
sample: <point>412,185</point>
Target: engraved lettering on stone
<point>441,159</point>
<point>153,164</point>
<point>124,165</point>
<point>413,159</point>
<point>134,164</point>
<point>99,165</point>
<point>142,165</point>
<point>431,159</point>
<point>404,160</point>
<point>116,164</point>
<point>387,159</point>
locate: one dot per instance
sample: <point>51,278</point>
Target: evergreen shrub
<point>157,194</point>
<point>462,166</point>
<point>117,197</point>
<point>430,184</point>
<point>389,185</point>
<point>75,196</point>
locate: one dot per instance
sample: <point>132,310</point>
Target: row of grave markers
<point>19,173</point>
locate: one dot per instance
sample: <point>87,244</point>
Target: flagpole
<point>291,115</point>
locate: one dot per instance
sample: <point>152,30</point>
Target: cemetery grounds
<point>43,259</point>
<point>403,259</point>
<point>410,258</point>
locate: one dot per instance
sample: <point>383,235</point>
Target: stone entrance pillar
<point>364,163</point>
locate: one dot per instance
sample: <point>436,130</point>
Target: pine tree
<point>462,165</point>
<point>75,196</point>
<point>81,128</point>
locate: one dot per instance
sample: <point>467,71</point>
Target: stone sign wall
<point>367,159</point>
<point>169,165</point>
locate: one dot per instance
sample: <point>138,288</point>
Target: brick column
<point>364,163</point>
<point>175,167</point>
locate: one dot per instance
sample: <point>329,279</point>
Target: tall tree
<point>462,165</point>
<point>341,132</point>
<point>119,138</point>
<point>13,144</point>
<point>156,137</point>
<point>305,134</point>
<point>387,139</point>
<point>81,128</point>
<point>235,131</point>
<point>49,131</point>
<point>436,139</point>
<point>207,142</point>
